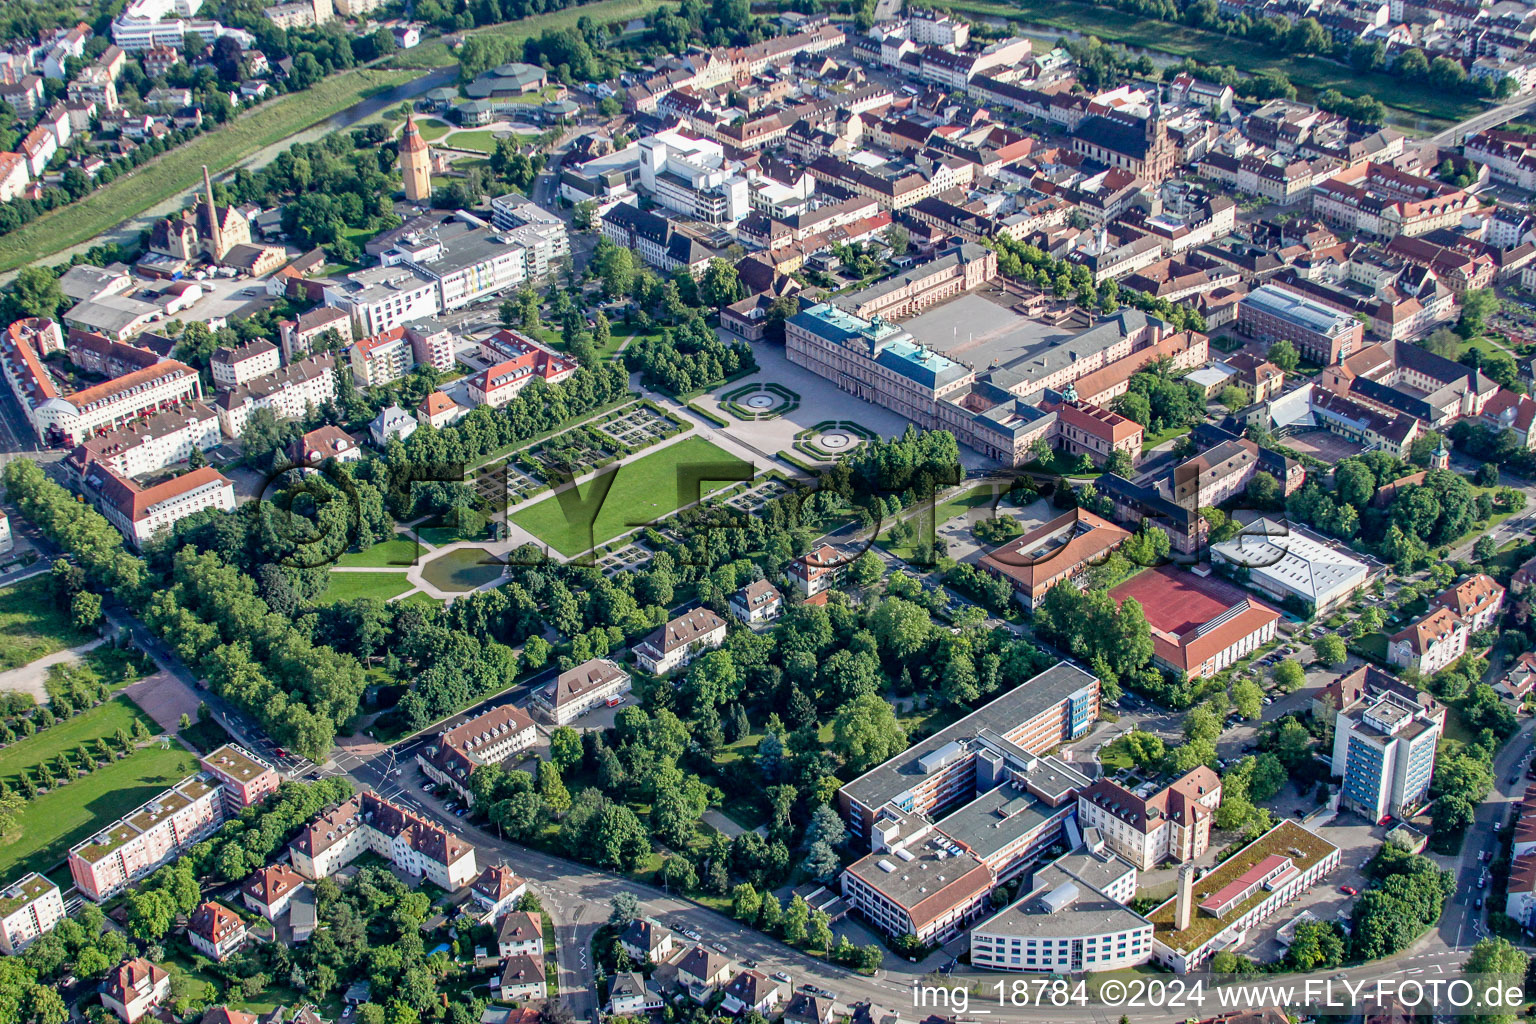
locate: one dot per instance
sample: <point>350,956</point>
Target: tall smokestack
<point>214,231</point>
<point>1184,907</point>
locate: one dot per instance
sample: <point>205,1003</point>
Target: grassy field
<point>628,503</point>
<point>55,821</point>
<point>435,54</point>
<point>162,178</point>
<point>1308,74</point>
<point>386,554</point>
<point>32,626</point>
<point>348,586</point>
<point>98,722</point>
<point>480,142</point>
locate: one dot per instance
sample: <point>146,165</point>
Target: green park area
<point>180,168</point>
<point>396,553</point>
<point>1308,74</point>
<point>349,586</point>
<point>435,54</point>
<point>32,625</point>
<point>100,722</point>
<point>641,492</point>
<point>57,820</point>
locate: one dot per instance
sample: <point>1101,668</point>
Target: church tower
<point>415,163</point>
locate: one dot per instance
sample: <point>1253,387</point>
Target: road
<point>1454,135</point>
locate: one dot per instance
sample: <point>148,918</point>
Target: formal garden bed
<point>830,440</point>
<point>762,401</point>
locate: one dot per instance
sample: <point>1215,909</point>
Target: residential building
<point>575,692</point>
<point>1395,378</point>
<point>391,424</point>
<point>1053,553</point>
<point>109,861</point>
<point>135,988</point>
<point>7,542</point>
<point>452,756</point>
<point>149,445</point>
<point>1200,625</point>
<point>289,393</point>
<point>1384,750</point>
<point>369,822</point>
<point>270,890</point>
<point>806,1007</point>
<point>496,892</point>
<point>1378,199</point>
<point>702,972</point>
<point>1173,824</point>
<point>818,570</point>
<point>439,410</point>
<point>515,360</point>
<point>682,639</point>
<point>1430,643</point>
<point>522,978</point>
<point>1290,563</point>
<point>656,240</point>
<point>29,907</point>
<point>647,941</point>
<point>1476,600</point>
<point>1070,918</point>
<point>758,601</point>
<point>631,995</point>
<point>751,991</point>
<point>246,778</point>
<point>1243,891</point>
<point>234,367</point>
<point>381,358</point>
<point>298,336</point>
<point>432,344</point>
<point>1519,681</point>
<point>315,447</point>
<point>216,931</point>
<point>520,933</point>
<point>1270,314</point>
<point>139,513</point>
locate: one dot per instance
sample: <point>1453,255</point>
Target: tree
<point>1478,303</point>
<point>1283,354</point>
<point>624,907</point>
<point>85,609</point>
<point>1316,945</point>
<point>1330,650</point>
<point>821,862</point>
<point>564,747</point>
<point>185,721</point>
<point>35,292</point>
<point>1495,961</point>
<point>720,285</point>
<point>1293,744</point>
<point>745,903</point>
<point>1289,675</point>
<point>1248,698</point>
<point>1233,397</point>
<point>866,569</point>
<point>792,927</point>
<point>866,732</point>
<point>552,788</point>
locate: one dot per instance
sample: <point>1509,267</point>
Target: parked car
<point>781,976</point>
<point>1349,890</point>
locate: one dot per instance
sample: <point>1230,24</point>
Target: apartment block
<point>29,907</point>
<point>677,643</point>
<point>369,822</point>
<point>452,756</point>
<point>1384,749</point>
<point>159,831</point>
<point>246,778</point>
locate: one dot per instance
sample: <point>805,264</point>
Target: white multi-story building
<point>496,892</point>
<point>379,298</point>
<point>149,23</point>
<point>575,692</point>
<point>432,344</point>
<point>290,393</point>
<point>1384,749</point>
<point>759,601</point>
<point>467,264</point>
<point>30,907</point>
<point>680,641</point>
<point>70,419</point>
<point>369,822</point>
<point>491,738</point>
<point>542,235</point>
<point>693,177</point>
<point>271,889</point>
<point>132,847</point>
<point>1429,644</point>
<point>513,360</point>
<point>381,358</point>
<point>150,444</point>
<point>299,336</point>
<point>1071,918</point>
<point>233,367</point>
<point>139,513</point>
<point>1476,601</point>
<point>1171,824</point>
<point>521,932</point>
<point>216,931</point>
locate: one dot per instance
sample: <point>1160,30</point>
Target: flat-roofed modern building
<point>135,845</point>
<point>1384,749</point>
<point>1285,561</point>
<point>940,773</point>
<point>1070,918</point>
<point>1208,912</point>
<point>1200,625</point>
<point>246,778</point>
<point>29,907</point>
<point>1325,335</point>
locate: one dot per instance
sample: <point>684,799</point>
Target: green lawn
<point>348,586</point>
<point>1308,74</point>
<point>959,504</point>
<point>422,597</point>
<point>435,54</point>
<point>642,492</point>
<point>431,131</point>
<point>55,821</point>
<point>181,167</point>
<point>480,142</point>
<point>386,554</point>
<point>32,626</point>
<point>104,721</point>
